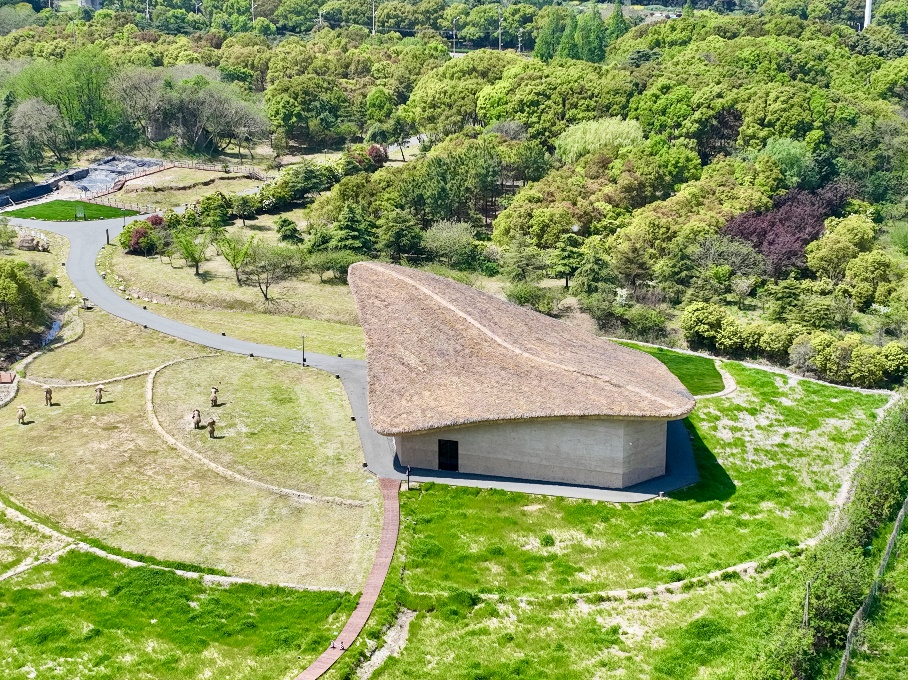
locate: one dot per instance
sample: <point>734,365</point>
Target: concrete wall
<point>609,453</point>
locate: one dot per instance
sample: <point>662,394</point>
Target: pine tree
<point>617,24</point>
<point>11,164</point>
<point>549,37</point>
<point>688,9</point>
<point>352,231</point>
<point>590,35</point>
<point>567,48</point>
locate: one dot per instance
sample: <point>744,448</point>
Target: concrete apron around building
<point>86,239</point>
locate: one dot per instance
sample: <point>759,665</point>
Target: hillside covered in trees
<point>735,179</point>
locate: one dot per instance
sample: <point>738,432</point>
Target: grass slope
<point>89,617</point>
<point>884,654</point>
<point>104,472</point>
<point>698,374</point>
<point>281,424</point>
<point>768,457</point>
<point>66,210</point>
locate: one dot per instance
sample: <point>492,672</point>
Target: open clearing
<point>281,424</point>
<point>769,458</point>
<point>86,616</point>
<point>102,471</point>
<point>216,288</point>
<point>109,347</point>
<point>67,210</point>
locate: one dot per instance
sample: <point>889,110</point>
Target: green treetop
<point>590,35</point>
<point>617,24</point>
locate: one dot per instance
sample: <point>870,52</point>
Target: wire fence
<point>857,621</point>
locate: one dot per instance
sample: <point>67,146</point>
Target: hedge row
<point>847,360</point>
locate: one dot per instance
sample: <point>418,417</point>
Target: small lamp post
<point>123,210</point>
<point>304,349</point>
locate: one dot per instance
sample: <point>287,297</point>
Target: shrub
<point>543,300</point>
<point>701,323</point>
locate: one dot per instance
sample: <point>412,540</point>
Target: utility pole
<point>499,28</point>
<point>320,22</point>
<point>454,32</point>
<point>519,40</point>
<point>868,7</point>
<point>373,17</point>
<point>251,10</point>
<point>147,10</point>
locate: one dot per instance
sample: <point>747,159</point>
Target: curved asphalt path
<point>86,239</point>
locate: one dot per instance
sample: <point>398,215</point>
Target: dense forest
<point>733,177</point>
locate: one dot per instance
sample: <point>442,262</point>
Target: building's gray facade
<point>589,451</point>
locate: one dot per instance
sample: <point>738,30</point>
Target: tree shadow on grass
<point>206,277</point>
<point>714,484</point>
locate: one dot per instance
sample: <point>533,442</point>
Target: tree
<point>451,242</point>
<point>235,250</point>
<point>214,215</point>
<point>352,231</point>
<point>192,247</point>
<point>829,255</point>
<point>11,164</point>
<point>590,35</point>
<point>7,234</point>
<point>617,24</point>
<point>701,323</point>
<point>398,234</point>
<point>335,261</point>
<point>287,230</point>
<point>523,262</point>
<point>567,47</point>
<point>552,20</point>
<point>21,305</point>
<point>269,265</point>
<point>567,258</point>
<point>242,206</point>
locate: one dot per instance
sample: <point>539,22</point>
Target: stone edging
<point>22,364</point>
<point>219,469</point>
<point>12,393</point>
<point>52,382</point>
<point>730,385</point>
<point>207,579</point>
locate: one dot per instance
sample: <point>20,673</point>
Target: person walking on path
<point>99,394</point>
<point>48,396</point>
<point>20,415</point>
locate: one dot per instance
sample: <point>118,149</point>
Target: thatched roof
<point>442,354</point>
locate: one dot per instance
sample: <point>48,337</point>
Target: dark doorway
<point>447,455</point>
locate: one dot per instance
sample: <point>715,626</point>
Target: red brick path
<point>389,527</point>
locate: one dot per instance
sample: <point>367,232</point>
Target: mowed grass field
<point>698,374</point>
<point>86,616</point>
<point>279,423</point>
<point>109,347</point>
<point>769,458</point>
<point>67,211</point>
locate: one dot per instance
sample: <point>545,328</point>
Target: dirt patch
<point>395,640</point>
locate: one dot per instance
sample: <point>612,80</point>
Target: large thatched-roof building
<point>466,382</point>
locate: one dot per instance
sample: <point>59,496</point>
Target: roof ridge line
<point>504,343</point>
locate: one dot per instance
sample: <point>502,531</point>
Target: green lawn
<point>280,423</point>
<point>769,458</point>
<point>885,651</point>
<point>66,210</point>
<point>698,374</point>
<point>713,633</point>
<point>86,616</point>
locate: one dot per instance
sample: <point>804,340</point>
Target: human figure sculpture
<point>99,394</point>
<point>214,396</point>
<point>48,396</point>
<point>211,428</point>
<point>196,420</point>
<point>20,415</point>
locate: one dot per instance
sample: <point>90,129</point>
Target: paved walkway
<point>374,583</point>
